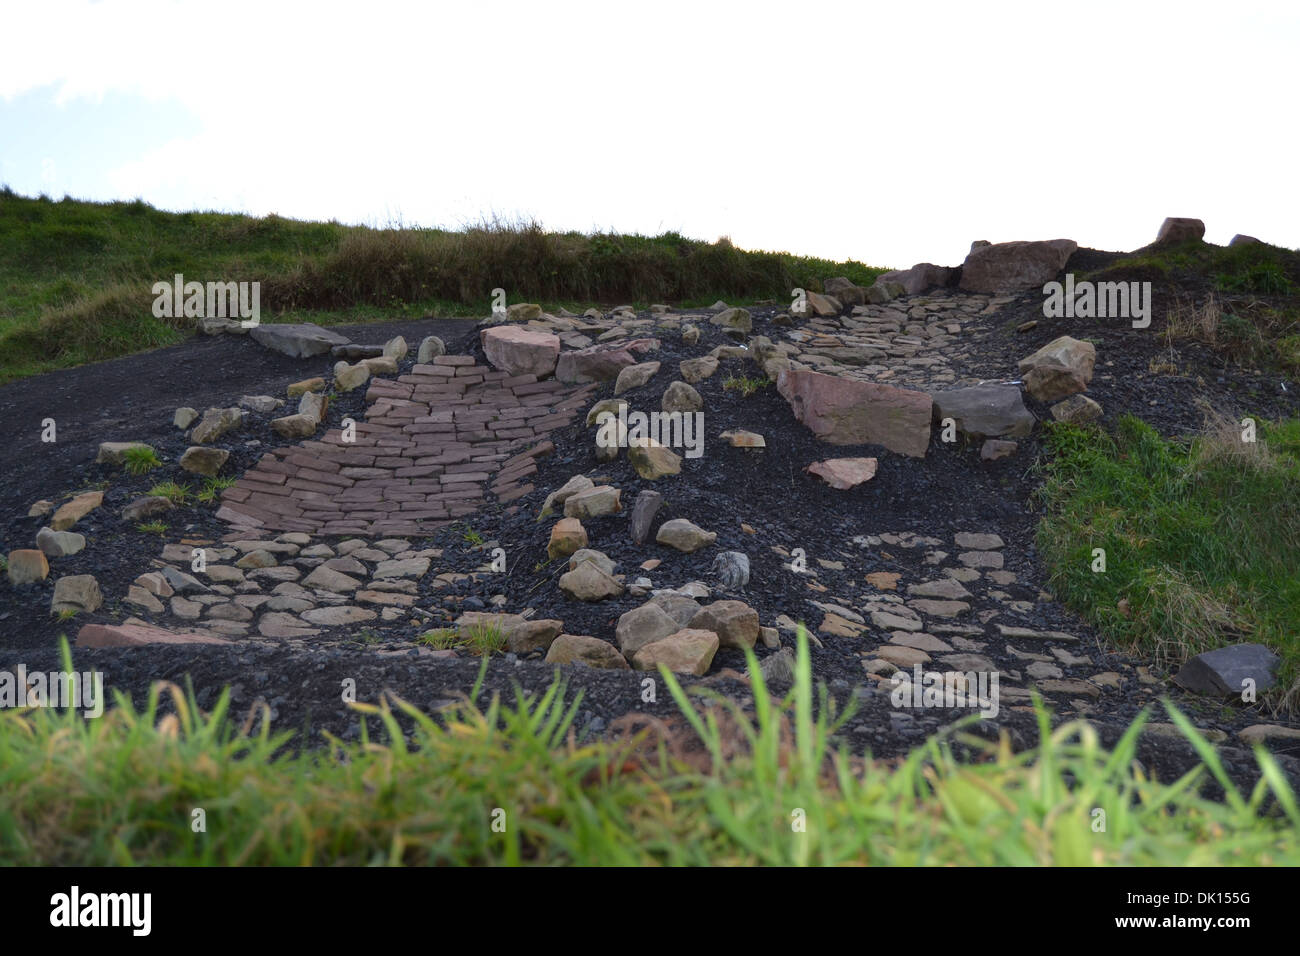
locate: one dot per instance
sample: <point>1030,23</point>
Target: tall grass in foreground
<point>711,787</point>
<point>1202,537</point>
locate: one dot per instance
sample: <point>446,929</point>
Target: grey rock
<point>1221,672</point>
<point>732,569</point>
<point>301,340</point>
<point>985,411</point>
<point>644,509</point>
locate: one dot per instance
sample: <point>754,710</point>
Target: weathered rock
<point>587,582</point>
<point>634,376</point>
<point>396,348</point>
<point>738,319</point>
<point>430,348</point>
<point>147,507</point>
<point>338,615</point>
<point>349,377</point>
<point>282,624</point>
<point>262,404</point>
<point>680,397</point>
<point>740,438</point>
<point>732,569</point>
<point>567,537</point>
<point>985,411</point>
<point>600,363</point>
<point>682,608</point>
<point>328,579</point>
<point>301,340</point>
<point>520,351</point>
<point>698,369</point>
<point>593,502</point>
<point>59,544</point>
<point>528,636</point>
<point>295,426</point>
<point>653,461</point>
<point>299,389</point>
<point>314,405</point>
<point>567,490</point>
<point>1179,230</point>
<point>1076,408</point>
<point>77,592</point>
<point>114,452</point>
<point>524,312</point>
<point>844,473</point>
<point>688,651</point>
<point>138,635</point>
<point>922,277</point>
<point>735,622</point>
<point>1015,266</point>
<point>356,353</point>
<point>581,649</point>
<point>27,566</point>
<point>199,460</point>
<point>644,509</point>
<point>602,560</point>
<point>685,535</point>
<point>185,417</point>
<point>1227,671</point>
<point>1062,367</point>
<point>995,448</point>
<point>842,411</point>
<point>215,423</point>
<point>642,626</point>
<point>257,558</point>
<point>690,334</point>
<point>778,668</point>
<point>70,512</point>
<point>1242,240</point>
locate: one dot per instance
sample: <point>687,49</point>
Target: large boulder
<point>985,411</point>
<point>600,363</point>
<point>1015,266</point>
<point>520,351</point>
<point>1060,368</point>
<point>301,340</point>
<point>738,319</point>
<point>922,277</point>
<point>1179,230</point>
<point>842,411</point>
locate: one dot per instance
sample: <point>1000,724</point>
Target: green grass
<point>480,640</point>
<point>212,488</point>
<point>1201,537</point>
<point>140,461</point>
<point>745,385</point>
<point>722,789</point>
<point>76,277</point>
<point>173,492</point>
<point>152,527</point>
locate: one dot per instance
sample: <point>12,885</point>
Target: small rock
<point>59,544</point>
<point>581,649</point>
<point>644,509</point>
<point>587,582</point>
<point>27,566</point>
<point>78,592</point>
<point>114,452</point>
<point>688,651</point>
<point>567,537</point>
<point>199,460</point>
<point>184,417</point>
<point>430,348</point>
<point>685,535</point>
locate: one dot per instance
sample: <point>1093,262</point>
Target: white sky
<point>889,133</point>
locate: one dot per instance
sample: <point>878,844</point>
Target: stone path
<point>434,443</point>
<point>909,343</point>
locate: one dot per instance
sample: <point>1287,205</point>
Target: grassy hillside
<point>75,277</point>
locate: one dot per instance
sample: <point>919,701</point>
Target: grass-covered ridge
<point>76,277</point>
<point>1201,537</point>
<point>123,789</point>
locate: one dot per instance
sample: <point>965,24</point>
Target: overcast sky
<point>888,133</point>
